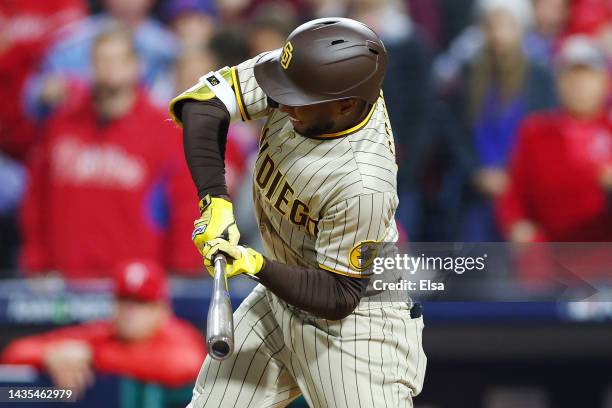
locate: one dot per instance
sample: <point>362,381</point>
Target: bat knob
<point>220,348</point>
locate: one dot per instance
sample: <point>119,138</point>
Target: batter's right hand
<point>216,221</point>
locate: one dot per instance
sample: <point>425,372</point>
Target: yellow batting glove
<point>216,221</point>
<point>240,259</point>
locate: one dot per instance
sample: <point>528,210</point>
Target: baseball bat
<point>220,323</point>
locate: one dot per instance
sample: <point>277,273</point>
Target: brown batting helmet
<point>324,60</point>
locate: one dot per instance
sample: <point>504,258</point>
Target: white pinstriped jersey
<point>319,201</point>
<point>318,198</point>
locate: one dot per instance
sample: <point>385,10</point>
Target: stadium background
<point>454,153</point>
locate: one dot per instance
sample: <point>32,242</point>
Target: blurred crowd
<point>501,111</point>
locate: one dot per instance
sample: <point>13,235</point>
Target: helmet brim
<point>272,78</point>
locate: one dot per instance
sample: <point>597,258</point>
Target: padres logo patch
<point>363,254</point>
<point>286,55</point>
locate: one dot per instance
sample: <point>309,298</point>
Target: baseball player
<point>324,196</point>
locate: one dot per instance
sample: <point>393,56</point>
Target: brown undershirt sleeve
<point>205,125</point>
<point>319,292</point>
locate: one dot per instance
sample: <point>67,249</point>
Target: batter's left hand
<point>240,259</point>
<point>216,221</point>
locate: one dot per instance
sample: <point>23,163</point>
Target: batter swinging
<point>325,195</point>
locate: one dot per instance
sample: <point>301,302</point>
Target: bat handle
<point>220,281</point>
<point>220,323</point>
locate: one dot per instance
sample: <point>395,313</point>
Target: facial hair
<point>318,129</point>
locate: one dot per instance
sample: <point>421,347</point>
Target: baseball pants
<point>372,358</point>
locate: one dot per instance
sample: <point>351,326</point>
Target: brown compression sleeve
<point>324,294</point>
<point>205,125</point>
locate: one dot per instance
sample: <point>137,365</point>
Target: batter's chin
<point>300,130</point>
<point>313,131</point>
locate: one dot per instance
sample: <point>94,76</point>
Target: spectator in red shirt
<point>109,181</point>
<point>561,172</point>
<point>143,340</point>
